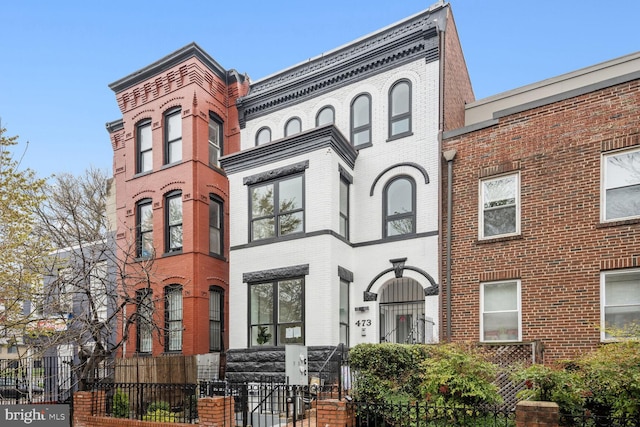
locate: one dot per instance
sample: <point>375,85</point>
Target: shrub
<point>159,405</point>
<point>551,384</point>
<point>120,404</point>
<point>459,375</point>
<point>160,415</point>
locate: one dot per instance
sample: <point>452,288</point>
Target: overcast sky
<point>58,58</point>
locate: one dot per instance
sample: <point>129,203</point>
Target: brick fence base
<point>537,414</point>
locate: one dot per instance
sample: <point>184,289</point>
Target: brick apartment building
<point>545,218</point>
<point>178,118</point>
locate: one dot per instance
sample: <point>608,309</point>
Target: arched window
<point>144,229</point>
<point>173,318</point>
<point>144,147</point>
<point>399,207</point>
<point>216,142</point>
<point>216,318</point>
<point>292,127</point>
<point>173,221</point>
<point>400,109</point>
<point>402,312</point>
<point>173,136</point>
<point>263,136</point>
<point>325,116</point>
<point>361,120</point>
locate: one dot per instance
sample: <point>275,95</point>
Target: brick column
<point>216,411</point>
<point>335,413</point>
<point>537,414</point>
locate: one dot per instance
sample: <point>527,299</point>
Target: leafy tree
<point>21,250</point>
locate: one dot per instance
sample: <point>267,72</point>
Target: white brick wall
<point>325,253</point>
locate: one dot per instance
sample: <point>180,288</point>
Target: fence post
<point>216,411</point>
<point>335,413</point>
<point>537,414</point>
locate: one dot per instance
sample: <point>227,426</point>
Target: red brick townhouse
<point>178,119</point>
<point>544,236</point>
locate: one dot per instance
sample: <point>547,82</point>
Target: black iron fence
<point>36,380</point>
<point>588,419</point>
<point>146,402</point>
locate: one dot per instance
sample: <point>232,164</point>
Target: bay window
<point>277,208</point>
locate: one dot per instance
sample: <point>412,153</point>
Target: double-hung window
<point>173,220</point>
<point>173,136</point>
<point>400,109</point>
<point>173,318</point>
<point>144,229</point>
<point>399,207</point>
<point>144,152</point>
<point>344,312</point>
<point>215,140</point>
<point>500,206</point>
<point>620,301</point>
<point>344,207</point>
<point>361,120</point>
<point>277,312</point>
<point>215,225</point>
<point>216,298</point>
<point>277,207</point>
<point>621,185</point>
<point>500,311</point>
<point>144,321</point>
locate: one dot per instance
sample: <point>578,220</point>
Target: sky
<point>57,58</point>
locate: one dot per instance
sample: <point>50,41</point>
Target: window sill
<point>361,146</point>
<point>217,256</point>
<point>499,239</point>
<point>399,136</point>
<point>629,221</point>
<point>172,253</point>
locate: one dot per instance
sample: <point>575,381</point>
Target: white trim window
<point>620,185</point>
<point>500,206</point>
<point>620,304</point>
<point>500,311</point>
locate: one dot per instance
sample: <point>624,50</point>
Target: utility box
<point>296,364</point>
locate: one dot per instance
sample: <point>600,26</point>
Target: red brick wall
<point>563,246</point>
<point>457,84</point>
<point>197,90</point>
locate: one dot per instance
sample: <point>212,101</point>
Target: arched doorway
<point>402,312</point>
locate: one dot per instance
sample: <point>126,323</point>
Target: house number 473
<point>363,322</point>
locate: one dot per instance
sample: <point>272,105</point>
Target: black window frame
<point>362,128</point>
<point>143,124</point>
<point>402,116</point>
<point>276,207</point>
<point>169,322</point>
<point>142,321</point>
<point>344,216</point>
<point>289,122</point>
<point>216,319</point>
<point>173,195</point>
<point>323,109</point>
<point>140,233</point>
<point>259,132</point>
<point>276,336</point>
<point>215,200</point>
<point>219,150</point>
<point>389,218</point>
<point>173,112</point>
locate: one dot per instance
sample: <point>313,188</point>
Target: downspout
<point>449,155</point>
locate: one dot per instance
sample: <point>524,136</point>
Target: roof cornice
<point>179,56</point>
<point>386,49</point>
